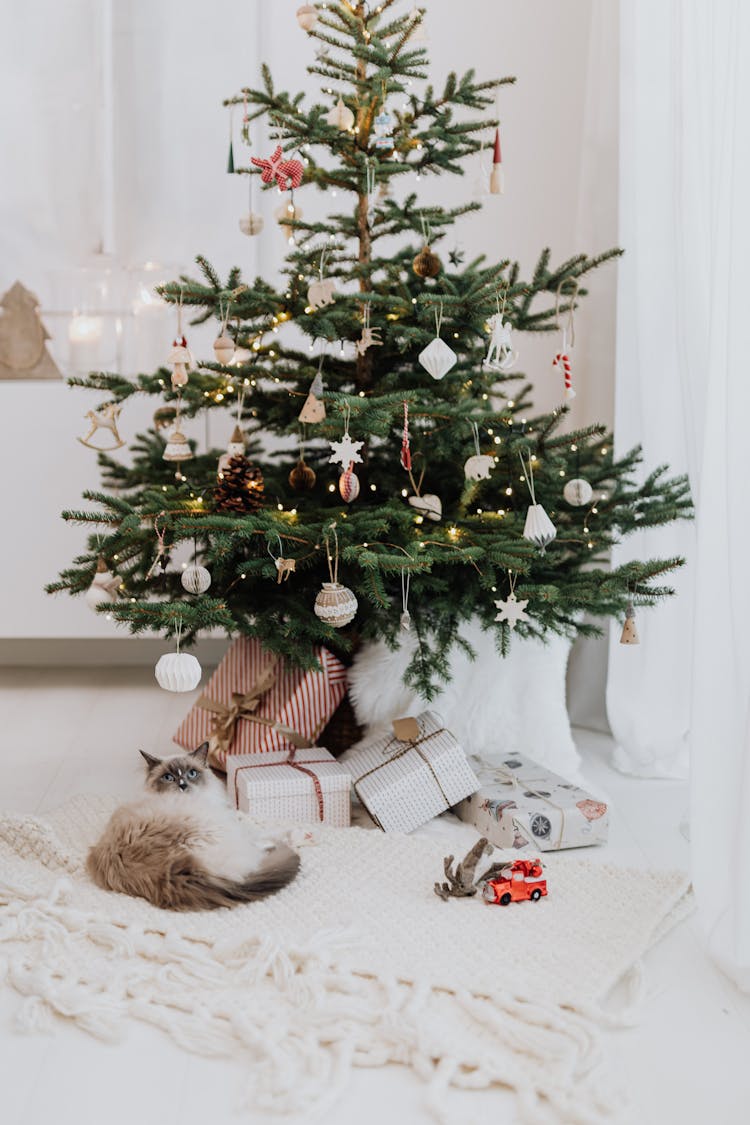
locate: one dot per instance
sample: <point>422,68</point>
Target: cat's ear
<point>201,753</point>
<point>149,760</point>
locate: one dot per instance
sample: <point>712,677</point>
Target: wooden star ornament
<point>346,450</point>
<point>512,610</point>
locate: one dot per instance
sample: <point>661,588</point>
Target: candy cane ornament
<point>405,446</point>
<point>562,363</point>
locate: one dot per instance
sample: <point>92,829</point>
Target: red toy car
<point>520,880</point>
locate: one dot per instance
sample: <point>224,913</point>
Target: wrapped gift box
<point>256,703</point>
<point>406,779</point>
<point>308,786</point>
<point>523,805</point>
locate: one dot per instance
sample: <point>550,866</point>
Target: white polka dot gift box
<point>410,774</point>
<point>308,786</point>
<point>522,805</point>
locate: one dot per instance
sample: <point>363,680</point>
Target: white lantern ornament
<point>195,579</point>
<point>178,671</point>
<point>538,528</point>
<point>578,492</point>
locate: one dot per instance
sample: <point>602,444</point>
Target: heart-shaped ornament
<point>428,504</point>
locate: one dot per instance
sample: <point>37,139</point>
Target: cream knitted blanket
<point>356,963</point>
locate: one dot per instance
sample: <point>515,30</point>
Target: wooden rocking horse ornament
<point>105,418</point>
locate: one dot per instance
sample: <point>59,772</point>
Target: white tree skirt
<point>356,963</point>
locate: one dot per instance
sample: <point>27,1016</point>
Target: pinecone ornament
<point>240,487</point>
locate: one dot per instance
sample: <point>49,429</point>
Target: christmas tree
<point>420,460</point>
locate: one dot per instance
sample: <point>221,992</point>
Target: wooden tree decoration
<point>23,351</point>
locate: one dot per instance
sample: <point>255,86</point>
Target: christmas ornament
<point>405,618</point>
<point>314,409</point>
<point>437,358</point>
<point>286,215</point>
<point>164,417</point>
<point>285,172</point>
<point>512,609</point>
<point>405,457</point>
<point>284,567</point>
<point>346,451</point>
<point>104,586</point>
<point>578,492</point>
<point>370,336</point>
<point>383,130</point>
<point>426,264</point>
<point>562,362</point>
<point>23,351</point>
<point>230,158</point>
<point>480,465</point>
<point>629,635</point>
<point>428,505</point>
<point>177,447</point>
<point>195,579</point>
<point>538,528</point>
<point>179,359</point>
<point>302,477</point>
<point>497,179</point>
<point>251,223</point>
<point>370,189</point>
<point>321,292</point>
<point>105,418</point>
<point>161,557</point>
<point>340,117</point>
<point>235,448</point>
<point>500,354</point>
<point>240,487</point>
<point>224,348</point>
<point>178,671</point>
<point>349,484</point>
<point>335,605</point>
<point>307,17</point>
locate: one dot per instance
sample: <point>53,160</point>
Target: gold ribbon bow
<point>244,705</point>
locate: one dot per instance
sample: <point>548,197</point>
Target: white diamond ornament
<point>178,671</point>
<point>578,492</point>
<point>479,466</point>
<point>437,358</point>
<point>539,528</point>
<point>428,505</point>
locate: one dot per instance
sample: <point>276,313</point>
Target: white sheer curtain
<point>683,390</point>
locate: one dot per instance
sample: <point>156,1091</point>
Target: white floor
<point>68,731</point>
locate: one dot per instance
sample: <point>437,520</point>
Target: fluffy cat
<point>182,848</point>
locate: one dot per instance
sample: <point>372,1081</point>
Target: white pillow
<point>495,706</point>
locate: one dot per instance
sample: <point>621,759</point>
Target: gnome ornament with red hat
<point>497,180</point>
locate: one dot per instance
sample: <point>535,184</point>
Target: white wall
<point>174,61</point>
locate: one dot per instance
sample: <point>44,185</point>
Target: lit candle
<point>85,336</point>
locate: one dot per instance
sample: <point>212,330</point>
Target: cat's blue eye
<point>192,773</point>
<point>167,777</point>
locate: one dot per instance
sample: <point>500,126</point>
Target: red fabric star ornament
<point>286,173</point>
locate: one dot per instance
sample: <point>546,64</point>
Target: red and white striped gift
<point>291,698</point>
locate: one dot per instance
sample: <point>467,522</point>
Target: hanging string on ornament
<point>224,346</point>
<point>104,586</point>
<point>160,559</point>
<point>512,609</point>
<point>284,567</point>
<point>426,264</point>
<point>482,181</point>
<point>251,223</point>
<point>286,215</point>
<point>346,451</point>
<point>245,127</point>
<point>539,528</point>
<point>178,671</point>
<point>335,605</point>
<point>480,465</point>
<point>321,292</point>
<point>405,457</point>
<point>236,445</point>
<point>578,492</point>
<point>427,504</point>
<point>629,635</point>
<point>562,362</point>
<point>105,418</point>
<point>438,358</point>
<point>314,409</point>
<point>500,354</point>
<point>287,173</point>
<point>370,336</point>
<point>405,619</point>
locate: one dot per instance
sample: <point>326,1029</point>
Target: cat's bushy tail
<point>182,882</point>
